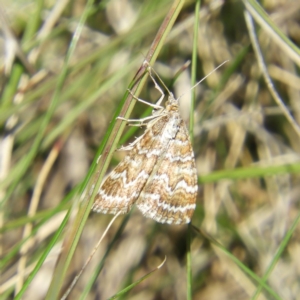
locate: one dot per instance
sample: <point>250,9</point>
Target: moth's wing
<point>170,193</point>
<point>124,184</point>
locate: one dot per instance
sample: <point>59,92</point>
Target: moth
<point>158,174</point>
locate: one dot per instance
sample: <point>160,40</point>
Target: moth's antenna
<point>150,69</point>
<point>219,66</point>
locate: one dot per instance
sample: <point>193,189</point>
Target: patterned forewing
<point>169,195</point>
<point>124,184</point>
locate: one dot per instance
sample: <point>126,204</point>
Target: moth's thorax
<point>171,126</point>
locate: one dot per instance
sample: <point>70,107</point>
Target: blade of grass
<point>250,172</point>
<point>43,257</point>
<point>278,254</point>
<point>41,215</point>
<point>75,280</point>
<point>34,202</point>
<point>18,172</point>
<point>101,263</point>
<point>131,286</point>
<point>189,274</point>
<point>24,164</point>
<point>82,106</point>
<point>270,27</point>
<point>262,65</point>
<point>245,269</point>
<point>16,248</point>
<point>110,145</point>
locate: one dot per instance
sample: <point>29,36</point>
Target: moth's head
<point>171,98</point>
<point>172,103</point>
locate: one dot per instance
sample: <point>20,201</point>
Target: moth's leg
<point>139,122</point>
<point>155,106</point>
<point>156,86</point>
<point>131,145</point>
